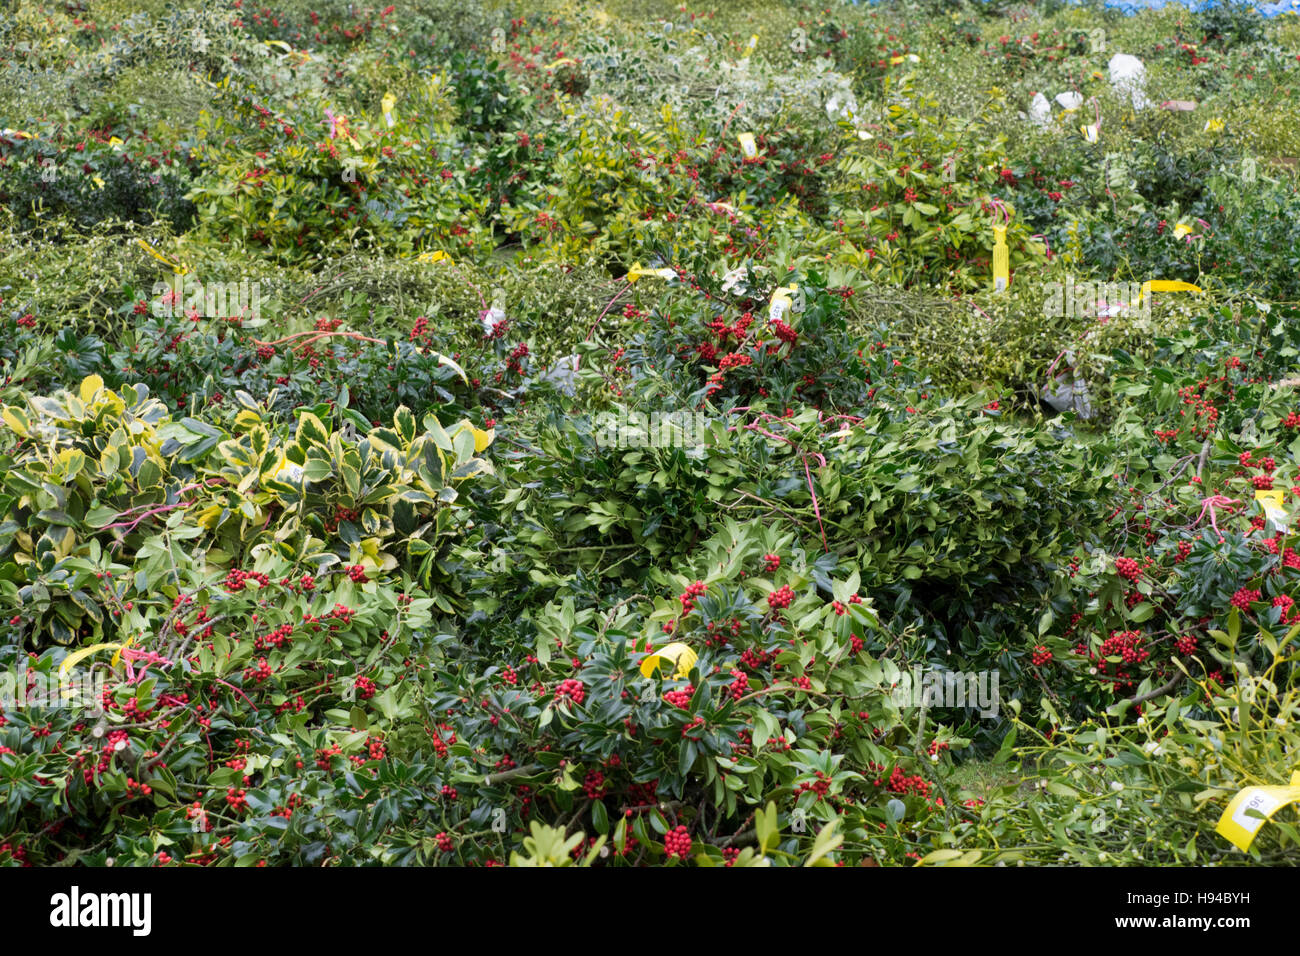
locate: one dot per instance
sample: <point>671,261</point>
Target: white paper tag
<point>1260,801</point>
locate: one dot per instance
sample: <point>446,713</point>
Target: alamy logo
<point>75,689</point>
<point>627,429</point>
<point>77,909</point>
<point>187,295</point>
<point>1074,300</point>
<point>978,689</point>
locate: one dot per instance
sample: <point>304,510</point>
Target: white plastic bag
<point>1129,76</point>
<point>1069,100</point>
<point>1040,111</point>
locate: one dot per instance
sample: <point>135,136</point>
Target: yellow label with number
<point>781,302</point>
<point>676,653</point>
<point>1251,808</point>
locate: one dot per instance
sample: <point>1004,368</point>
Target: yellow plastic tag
<point>118,656</point>
<point>71,660</point>
<point>436,256</point>
<point>753,42</point>
<point>1090,133</point>
<point>636,272</point>
<point>747,145</point>
<point>1271,503</point>
<point>1001,259</point>
<point>178,269</point>
<point>1239,824</point>
<point>675,653</point>
<point>1165,285</point>
<point>781,302</point>
<point>387,104</point>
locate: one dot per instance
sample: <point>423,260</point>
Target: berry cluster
<point>594,785</point>
<point>781,598</point>
<point>575,690</point>
<point>324,755</point>
<point>340,515</point>
<point>1128,568</point>
<point>820,786</point>
<point>235,579</point>
<point>902,783</point>
<point>677,843</point>
<point>1243,598</point>
<point>276,638</point>
<point>690,594</point>
<point>694,722</point>
<point>784,332</point>
<point>259,673</point>
<point>680,698</point>
<point>1126,645</point>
